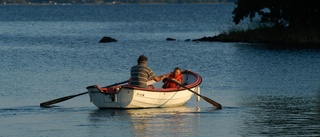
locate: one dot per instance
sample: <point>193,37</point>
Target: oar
<point>54,101</point>
<point>212,102</point>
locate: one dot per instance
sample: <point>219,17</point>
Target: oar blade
<point>48,103</point>
<point>216,104</point>
<point>55,101</point>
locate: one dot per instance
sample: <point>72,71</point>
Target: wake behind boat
<point>125,96</point>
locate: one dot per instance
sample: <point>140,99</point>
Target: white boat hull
<point>129,97</point>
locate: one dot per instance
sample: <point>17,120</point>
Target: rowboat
<point>125,96</point>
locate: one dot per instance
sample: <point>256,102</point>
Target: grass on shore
<point>270,35</point>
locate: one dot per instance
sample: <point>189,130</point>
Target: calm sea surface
<point>52,51</point>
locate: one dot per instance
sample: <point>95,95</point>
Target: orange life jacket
<point>170,84</point>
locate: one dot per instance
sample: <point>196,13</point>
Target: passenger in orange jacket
<point>176,76</point>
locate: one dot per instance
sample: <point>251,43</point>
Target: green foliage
<point>282,13</point>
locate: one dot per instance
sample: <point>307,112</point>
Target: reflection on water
<point>283,115</point>
<point>150,122</point>
<point>318,103</point>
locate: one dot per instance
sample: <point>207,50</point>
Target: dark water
<point>49,52</point>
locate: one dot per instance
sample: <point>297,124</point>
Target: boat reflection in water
<point>147,122</point>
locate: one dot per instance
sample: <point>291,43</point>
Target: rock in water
<point>107,39</point>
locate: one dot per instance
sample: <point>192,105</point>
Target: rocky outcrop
<point>107,39</point>
<point>170,39</point>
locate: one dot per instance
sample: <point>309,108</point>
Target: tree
<point>283,13</point>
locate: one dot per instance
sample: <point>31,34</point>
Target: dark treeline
<point>109,1</point>
<point>279,21</point>
<point>280,13</point>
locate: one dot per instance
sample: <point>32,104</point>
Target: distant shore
<point>79,2</point>
<point>304,37</point>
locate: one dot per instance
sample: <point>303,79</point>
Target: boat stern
<point>107,97</point>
